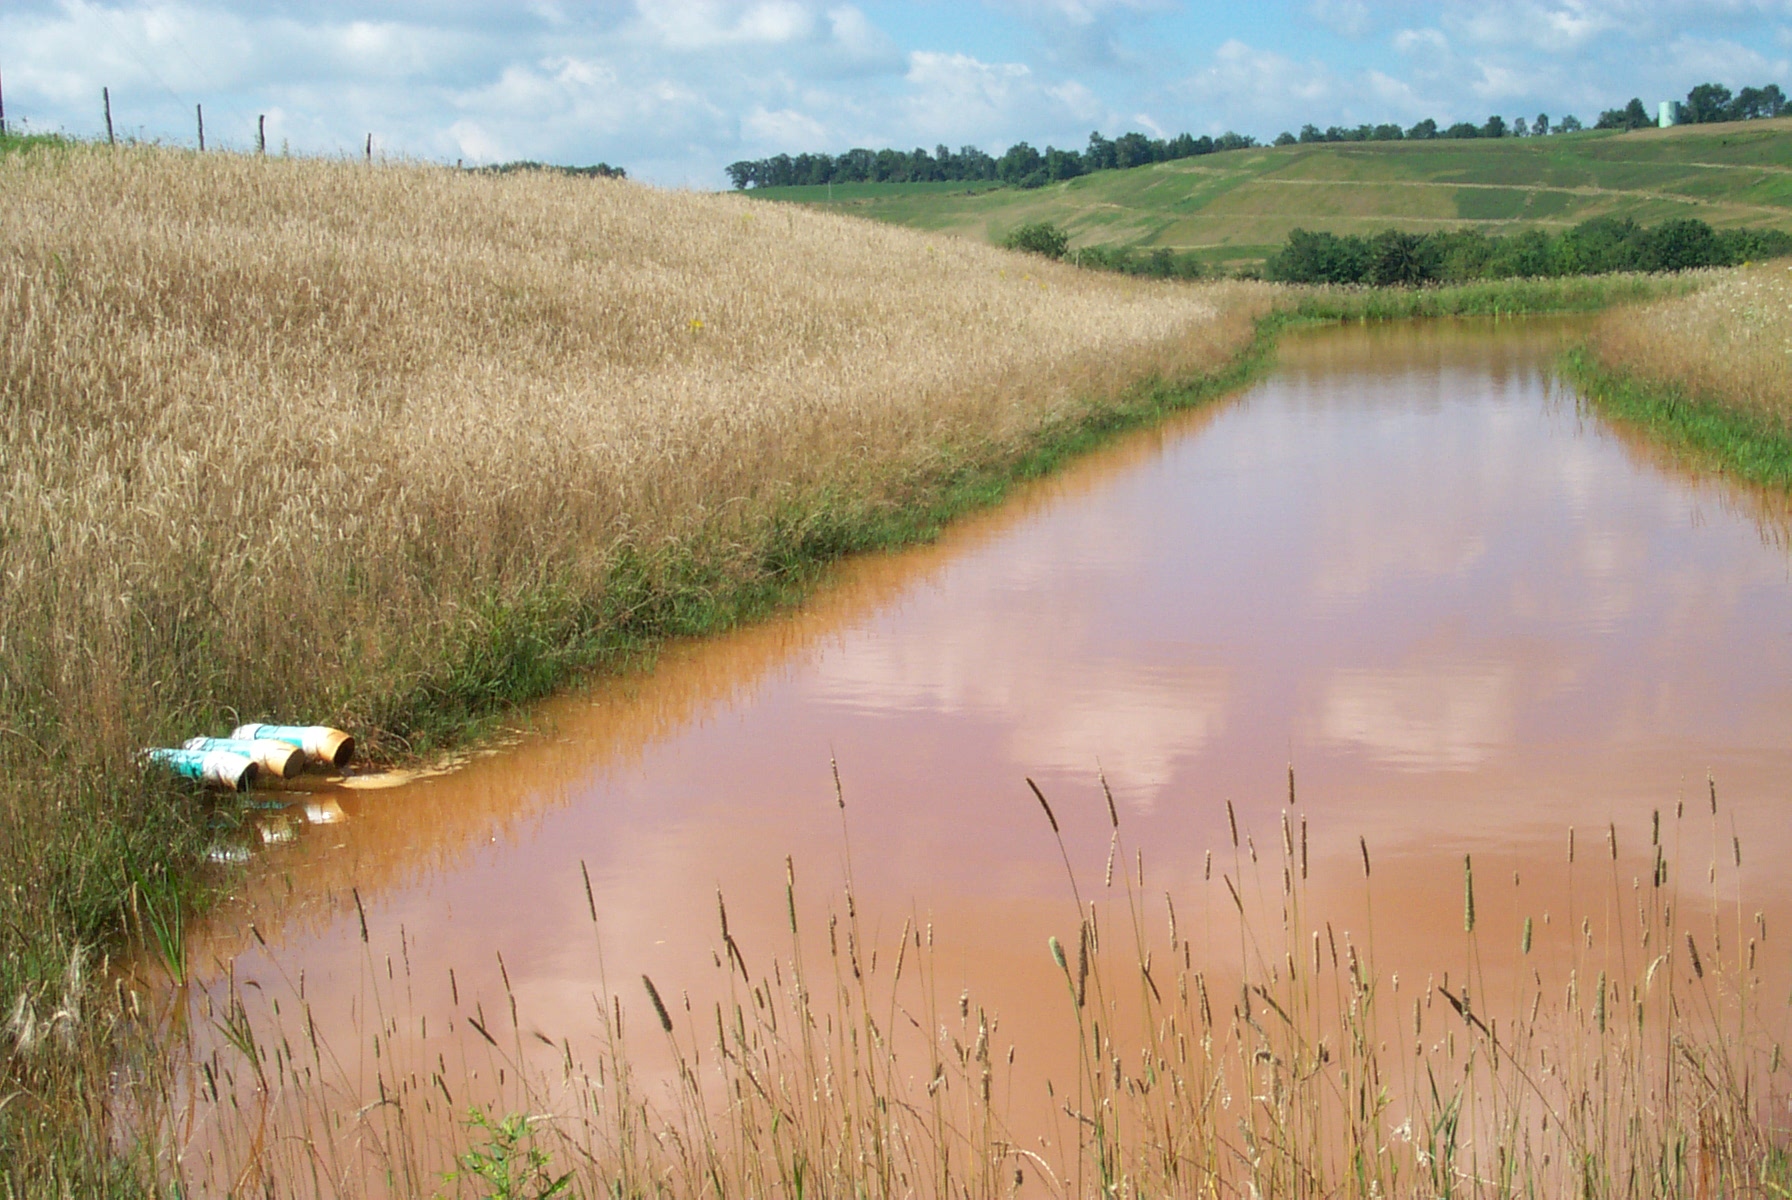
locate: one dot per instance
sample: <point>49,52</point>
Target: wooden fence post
<point>199,111</point>
<point>2,112</point>
<point>370,149</point>
<point>261,134</point>
<point>106,99</point>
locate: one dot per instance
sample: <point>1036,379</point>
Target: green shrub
<point>1603,245</point>
<point>1040,237</point>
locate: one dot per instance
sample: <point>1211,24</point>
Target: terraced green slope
<point>1234,208</point>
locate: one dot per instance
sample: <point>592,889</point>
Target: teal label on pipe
<point>188,764</point>
<point>292,735</point>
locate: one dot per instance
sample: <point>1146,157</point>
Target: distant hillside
<point>1234,208</point>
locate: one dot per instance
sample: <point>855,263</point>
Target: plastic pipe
<point>280,759</point>
<point>321,744</point>
<point>219,768</point>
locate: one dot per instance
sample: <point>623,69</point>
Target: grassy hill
<point>1233,208</point>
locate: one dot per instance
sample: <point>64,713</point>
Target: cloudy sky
<point>676,89</point>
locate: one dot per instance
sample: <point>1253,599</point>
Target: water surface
<point>1407,563</point>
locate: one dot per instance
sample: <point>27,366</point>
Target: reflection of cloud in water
<point>1059,709</point>
<point>1437,716</point>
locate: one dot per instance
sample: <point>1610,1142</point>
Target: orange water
<point>1408,563</point>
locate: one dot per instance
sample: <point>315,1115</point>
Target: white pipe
<point>220,768</point>
<point>280,759</point>
<point>321,744</point>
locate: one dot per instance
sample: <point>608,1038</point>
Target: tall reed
<point>1632,1049</point>
<point>1728,345</point>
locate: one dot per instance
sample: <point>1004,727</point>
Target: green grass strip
<point>1489,298</point>
<point>1704,430</point>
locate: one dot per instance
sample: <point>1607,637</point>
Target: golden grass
<point>1727,345</point>
<point>273,426</point>
<point>316,441</point>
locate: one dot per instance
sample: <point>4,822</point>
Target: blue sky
<point>676,90</point>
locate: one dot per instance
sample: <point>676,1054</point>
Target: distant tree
<point>1233,141</point>
<point>1320,258</point>
<point>1747,245</point>
<point>976,164</point>
<point>740,174</point>
<point>1460,254</point>
<point>1100,154</point>
<point>1311,133</point>
<point>1388,133</point>
<point>1631,116</point>
<point>1285,138</point>
<point>1495,127</point>
<point>1133,150</point>
<point>1520,128</point>
<point>1569,124</point>
<point>1462,129</point>
<point>1018,163</point>
<point>1423,131</point>
<point>1679,245</point>
<point>1062,164</point>
<point>1541,127</point>
<point>1597,246</point>
<point>1752,103</point>
<point>1182,146</point>
<point>1397,259</point>
<point>1524,256</point>
<point>1708,102</point>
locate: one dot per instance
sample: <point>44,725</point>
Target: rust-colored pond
<point>1408,563</point>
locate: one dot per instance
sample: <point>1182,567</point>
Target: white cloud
<point>1437,716</point>
<point>1720,59</point>
<point>955,96</point>
<point>1350,18</point>
<point>1243,85</point>
<point>797,131</point>
<point>708,24</point>
<point>1078,13</point>
<point>1417,42</point>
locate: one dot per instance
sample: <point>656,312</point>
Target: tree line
<point>1706,104</point>
<point>1021,165</point>
<point>1602,245</point>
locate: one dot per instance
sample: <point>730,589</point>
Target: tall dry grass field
<point>1728,345</point>
<point>389,446</point>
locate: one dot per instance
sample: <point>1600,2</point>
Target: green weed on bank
<point>1489,298</point>
<point>1746,445</point>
